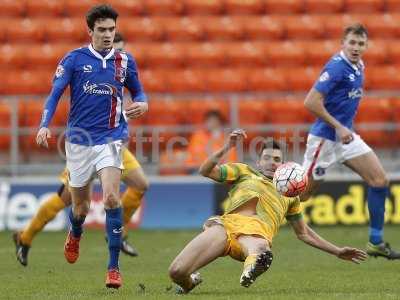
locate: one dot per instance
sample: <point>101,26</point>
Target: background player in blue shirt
<point>97,75</point>
<point>334,99</point>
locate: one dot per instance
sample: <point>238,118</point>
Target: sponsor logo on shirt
<point>87,68</point>
<point>59,71</point>
<point>355,93</point>
<point>97,89</point>
<point>324,77</point>
<point>352,77</point>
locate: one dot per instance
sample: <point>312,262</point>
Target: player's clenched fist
<point>136,109</point>
<point>42,136</point>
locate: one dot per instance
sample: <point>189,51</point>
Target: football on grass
<point>290,179</point>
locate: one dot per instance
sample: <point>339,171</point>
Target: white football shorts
<point>83,162</point>
<point>322,153</point>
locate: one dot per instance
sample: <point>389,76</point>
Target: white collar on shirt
<point>357,67</point>
<point>99,56</point>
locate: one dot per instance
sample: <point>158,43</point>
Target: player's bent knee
<point>379,181</point>
<point>176,271</point>
<point>111,200</point>
<point>142,185</point>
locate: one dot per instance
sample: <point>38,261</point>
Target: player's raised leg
<point>258,258</point>
<point>203,249</point>
<point>110,178</point>
<point>370,169</point>
<point>77,215</point>
<point>46,212</point>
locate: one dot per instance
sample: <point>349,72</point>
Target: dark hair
<point>358,29</point>
<point>214,114</point>
<point>103,11</point>
<point>271,143</point>
<point>118,37</point>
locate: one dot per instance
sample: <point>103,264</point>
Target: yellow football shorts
<point>128,160</point>
<point>236,225</point>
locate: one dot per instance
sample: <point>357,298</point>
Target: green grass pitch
<point>298,271</point>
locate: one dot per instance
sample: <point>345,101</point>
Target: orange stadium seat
<point>141,29</point>
<point>319,52</point>
<point>66,30</point>
<point>284,6</point>
<point>25,30</point>
<point>323,6</point>
<point>154,80</point>
<point>382,26</point>
<point>139,52</point>
<point>13,56</point>
<point>163,7</point>
<point>181,29</point>
<point>44,8</point>
<point>383,78</point>
<point>79,8</point>
<point>30,113</point>
<point>261,27</point>
<point>290,112</point>
<point>201,7</point>
<point>165,55</point>
<point>47,56</point>
<point>284,54</point>
<point>304,27</point>
<point>267,80</point>
<point>227,80</point>
<point>12,8</point>
<point>392,6</point>
<point>334,25</point>
<point>245,54</point>
<point>164,112</point>
<point>393,51</point>
<point>5,121</point>
<point>127,8</point>
<point>249,7</point>
<point>221,28</point>
<point>364,6</point>
<point>197,109</point>
<point>205,54</point>
<point>26,82</point>
<point>251,112</point>
<point>373,110</point>
<point>187,80</point>
<point>301,79</point>
<point>376,53</point>
<point>60,117</point>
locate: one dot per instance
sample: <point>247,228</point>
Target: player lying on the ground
<point>252,217</point>
<point>136,182</point>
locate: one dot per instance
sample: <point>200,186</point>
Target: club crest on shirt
<point>324,77</point>
<point>59,71</point>
<point>352,77</point>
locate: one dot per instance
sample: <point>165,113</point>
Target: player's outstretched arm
<point>209,168</point>
<point>310,237</point>
<point>314,102</point>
